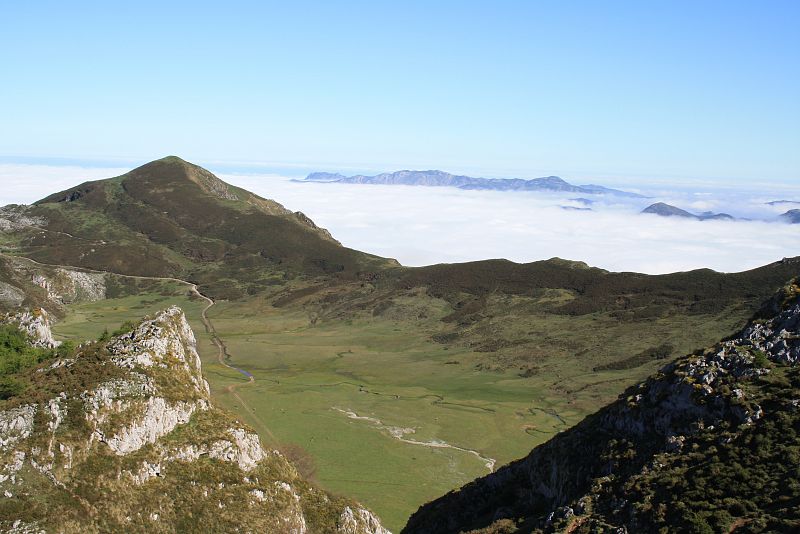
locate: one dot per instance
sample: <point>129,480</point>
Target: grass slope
<point>172,218</point>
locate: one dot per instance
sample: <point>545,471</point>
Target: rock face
<point>36,325</point>
<point>353,522</point>
<point>626,468</point>
<point>134,444</point>
<point>11,296</point>
<point>25,284</point>
<point>17,216</point>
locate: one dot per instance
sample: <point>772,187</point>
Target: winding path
<point>224,359</point>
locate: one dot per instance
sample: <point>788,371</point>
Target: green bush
<point>698,525</point>
<point>16,354</point>
<point>124,328</point>
<point>9,387</point>
<point>66,349</point>
<point>760,359</point>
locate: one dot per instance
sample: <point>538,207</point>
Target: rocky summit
<point>121,436</point>
<point>708,444</point>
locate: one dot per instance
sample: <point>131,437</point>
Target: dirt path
<point>224,359</point>
<point>222,352</point>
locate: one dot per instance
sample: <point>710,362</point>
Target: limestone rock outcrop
<point>36,325</point>
<point>135,444</point>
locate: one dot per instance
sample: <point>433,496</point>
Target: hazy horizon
<point>298,170</point>
<point>425,225</point>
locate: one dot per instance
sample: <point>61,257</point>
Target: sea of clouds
<point>425,225</point>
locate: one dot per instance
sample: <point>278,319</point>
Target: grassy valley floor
<point>370,407</point>
<point>383,415</point>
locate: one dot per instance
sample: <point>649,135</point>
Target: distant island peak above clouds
<point>667,210</point>
<point>437,178</point>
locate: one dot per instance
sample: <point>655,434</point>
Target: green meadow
<point>370,408</point>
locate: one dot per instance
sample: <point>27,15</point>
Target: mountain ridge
<point>170,171</point>
<point>791,216</point>
<point>172,218</point>
<point>437,178</point>
<point>667,210</point>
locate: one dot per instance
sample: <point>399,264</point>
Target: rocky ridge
<point>25,284</point>
<point>624,469</point>
<point>140,447</point>
<point>36,326</point>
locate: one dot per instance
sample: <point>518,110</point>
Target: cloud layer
<point>425,225</point>
<point>25,184</point>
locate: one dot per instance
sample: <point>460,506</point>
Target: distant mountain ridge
<point>436,178</point>
<point>791,216</point>
<point>783,202</point>
<point>667,210</point>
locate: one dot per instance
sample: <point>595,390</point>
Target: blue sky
<point>705,90</point>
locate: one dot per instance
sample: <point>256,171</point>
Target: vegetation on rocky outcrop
<point>708,444</point>
<point>27,285</point>
<point>121,436</point>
